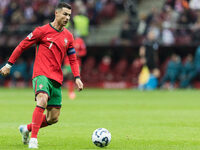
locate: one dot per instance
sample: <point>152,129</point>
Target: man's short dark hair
<point>63,4</point>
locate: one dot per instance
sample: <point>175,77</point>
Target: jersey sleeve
<point>31,39</point>
<point>73,59</point>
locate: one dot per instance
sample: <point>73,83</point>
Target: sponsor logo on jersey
<point>30,35</point>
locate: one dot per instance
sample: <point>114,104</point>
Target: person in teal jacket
<point>197,60</point>
<point>172,71</point>
<point>188,72</point>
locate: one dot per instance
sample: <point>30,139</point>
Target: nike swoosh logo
<point>49,38</point>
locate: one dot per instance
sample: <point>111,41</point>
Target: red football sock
<point>70,84</point>
<point>44,123</point>
<point>29,127</point>
<point>37,121</point>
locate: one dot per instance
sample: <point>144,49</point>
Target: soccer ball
<point>101,137</point>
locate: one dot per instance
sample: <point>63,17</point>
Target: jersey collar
<point>55,28</point>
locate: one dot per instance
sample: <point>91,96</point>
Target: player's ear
<point>56,12</point>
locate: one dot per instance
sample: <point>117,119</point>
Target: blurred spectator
<point>80,20</point>
<point>94,9</point>
<point>104,65</point>
<point>119,70</point>
<point>170,3</point>
<point>134,70</point>
<point>81,52</point>
<point>152,81</point>
<point>1,24</point>
<point>126,34</point>
<point>187,72</point>
<point>167,35</point>
<point>172,71</point>
<point>89,70</point>
<point>178,5</point>
<point>148,50</point>
<point>152,17</point>
<point>194,4</point>
<point>109,10</point>
<point>104,68</point>
<point>169,17</point>
<point>196,31</point>
<point>81,25</point>
<point>155,29</point>
<point>142,25</point>
<point>143,77</point>
<point>187,17</point>
<point>131,8</point>
<point>197,61</point>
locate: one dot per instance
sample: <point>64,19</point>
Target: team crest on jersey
<point>40,86</point>
<point>30,35</point>
<point>65,40</point>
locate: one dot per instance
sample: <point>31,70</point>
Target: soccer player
<point>81,51</point>
<point>52,42</point>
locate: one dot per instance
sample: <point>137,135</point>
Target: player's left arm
<point>74,64</point>
<point>75,70</point>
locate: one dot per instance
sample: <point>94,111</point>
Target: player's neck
<point>56,25</point>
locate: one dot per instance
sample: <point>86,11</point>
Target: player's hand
<point>5,71</point>
<point>79,84</point>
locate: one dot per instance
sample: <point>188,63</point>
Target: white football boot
<point>33,143</point>
<point>25,134</point>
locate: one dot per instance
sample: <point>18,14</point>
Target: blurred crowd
<point>177,22</point>
<point>19,17</point>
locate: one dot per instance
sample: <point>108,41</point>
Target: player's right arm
<point>31,39</point>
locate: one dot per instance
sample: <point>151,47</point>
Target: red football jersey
<point>51,47</point>
<point>80,48</point>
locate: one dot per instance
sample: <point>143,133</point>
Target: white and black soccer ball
<point>101,137</point>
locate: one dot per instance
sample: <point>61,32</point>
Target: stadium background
<point>113,31</point>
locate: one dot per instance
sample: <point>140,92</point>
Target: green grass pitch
<point>153,120</point>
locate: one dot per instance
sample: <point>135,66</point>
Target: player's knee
<point>42,99</point>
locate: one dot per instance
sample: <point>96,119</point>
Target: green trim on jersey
<point>55,28</point>
<point>38,47</point>
<point>42,84</point>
